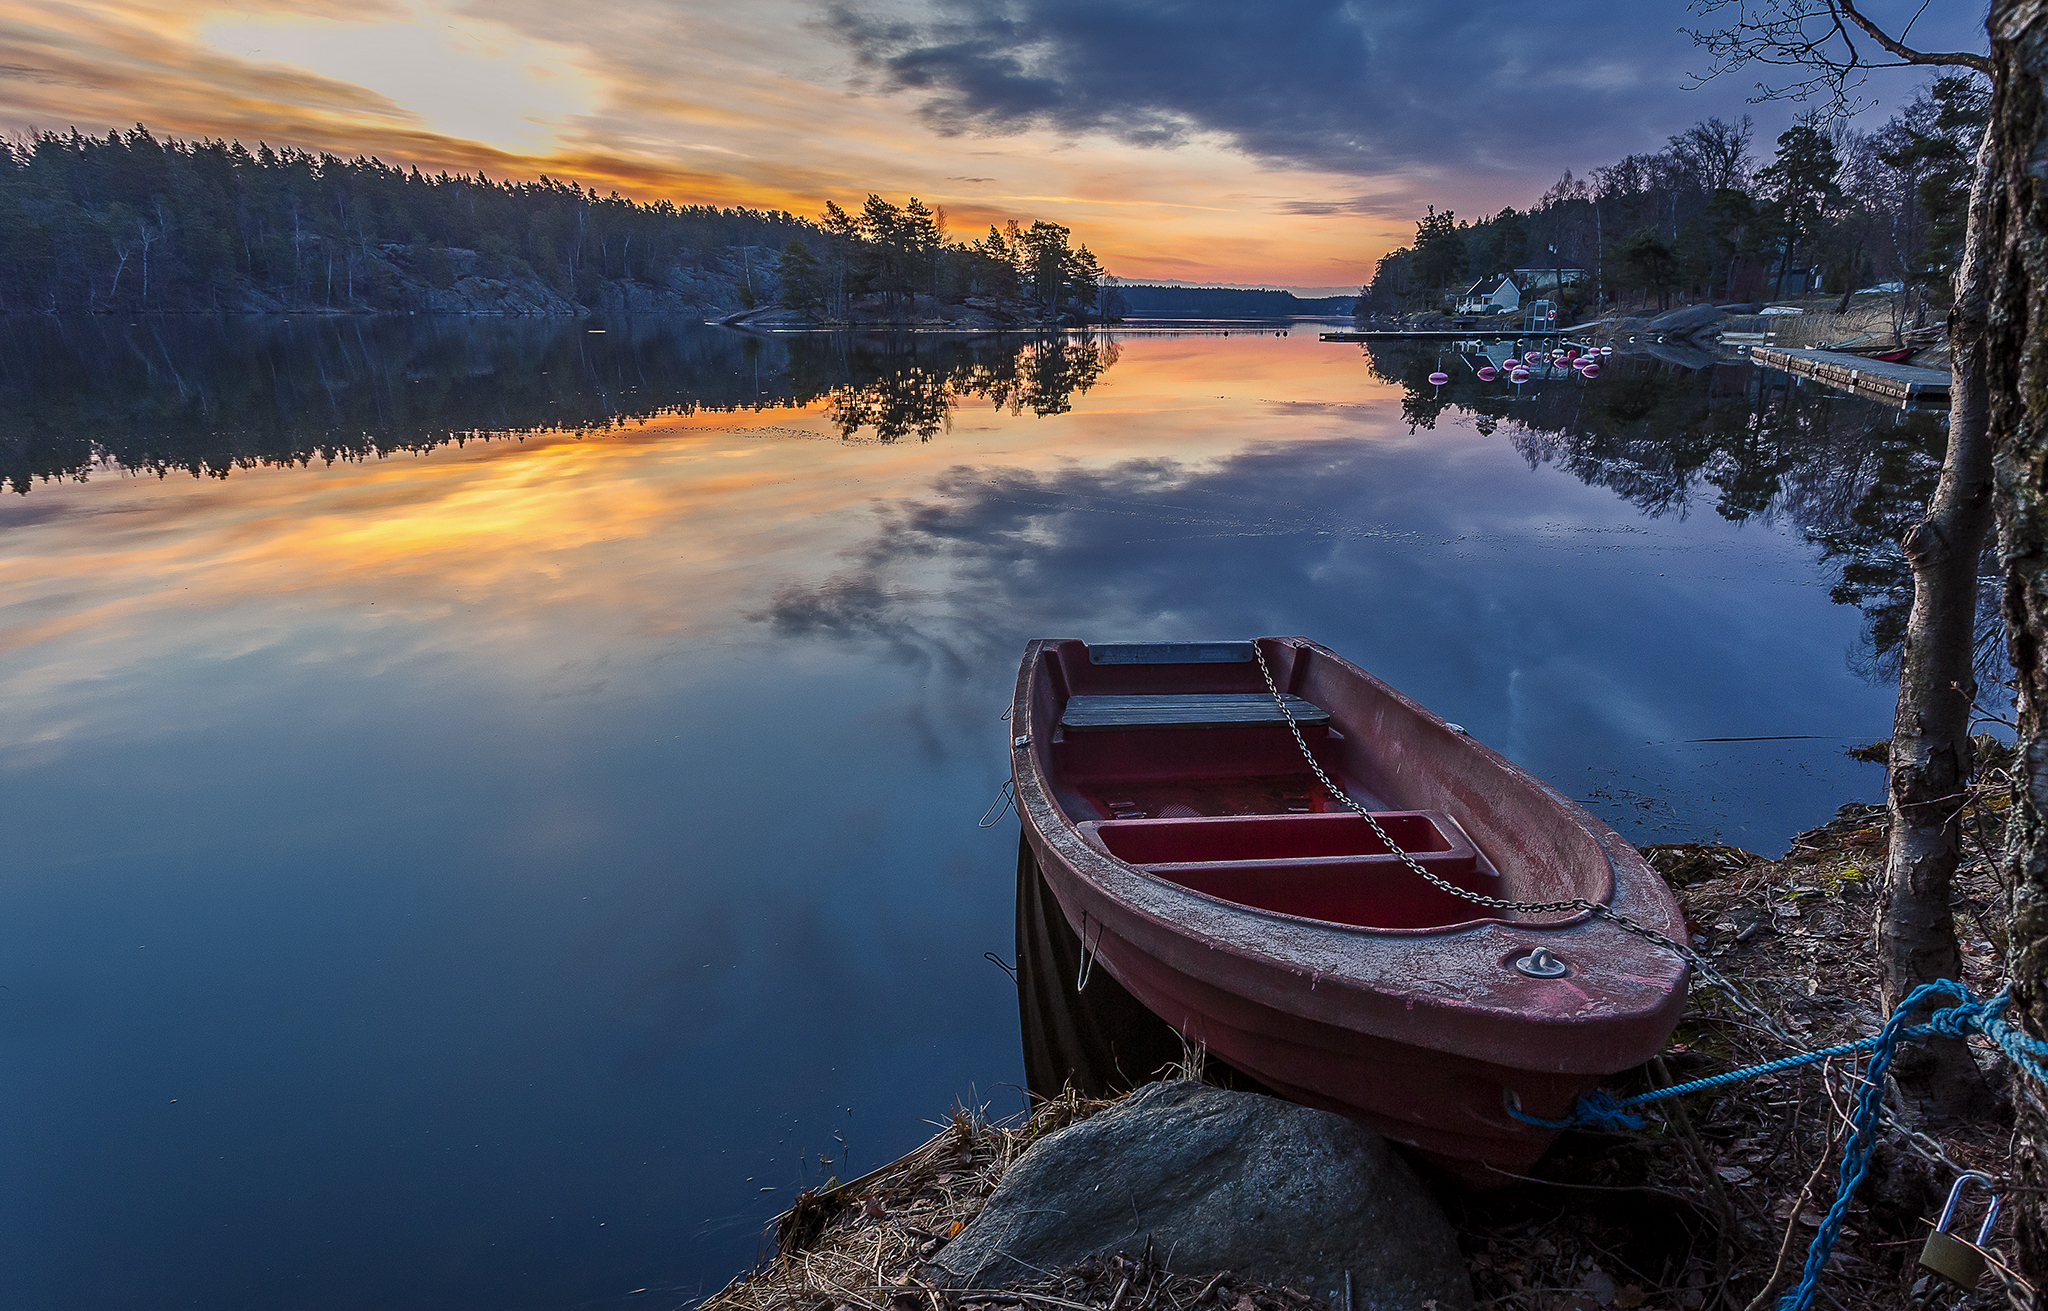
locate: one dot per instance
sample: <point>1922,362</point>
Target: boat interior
<point>1174,758</point>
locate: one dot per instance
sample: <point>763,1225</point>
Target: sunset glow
<point>1297,161</point>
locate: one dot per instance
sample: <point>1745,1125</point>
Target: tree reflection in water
<point>1852,475</point>
<point>918,391</point>
<point>208,396</point>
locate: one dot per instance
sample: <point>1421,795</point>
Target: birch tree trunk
<point>1930,756</point>
<point>2011,225</point>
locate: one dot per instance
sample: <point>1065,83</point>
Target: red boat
<point>1206,866</point>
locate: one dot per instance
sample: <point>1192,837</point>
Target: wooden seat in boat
<point>1096,714</point>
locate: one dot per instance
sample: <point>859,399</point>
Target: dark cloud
<point>1373,205</point>
<point>45,76</point>
<point>1348,86</point>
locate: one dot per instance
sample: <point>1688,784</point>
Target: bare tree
<point>1717,153</point>
<point>1833,47</point>
<point>2001,373</point>
<point>2002,331</point>
<point>1830,41</point>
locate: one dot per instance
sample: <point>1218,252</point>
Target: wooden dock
<point>1899,384</point>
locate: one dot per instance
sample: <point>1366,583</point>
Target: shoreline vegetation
<point>1835,210</point>
<point>1712,1203</point>
<point>130,224</point>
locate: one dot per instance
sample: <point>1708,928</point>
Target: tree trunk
<point>2011,223</point>
<point>1930,756</point>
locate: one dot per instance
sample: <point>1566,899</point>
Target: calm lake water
<point>491,807</point>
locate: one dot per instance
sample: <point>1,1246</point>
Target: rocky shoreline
<point>1179,1195</point>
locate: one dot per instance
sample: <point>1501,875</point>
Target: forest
<point>130,223</point>
<point>894,254</point>
<point>1834,209</point>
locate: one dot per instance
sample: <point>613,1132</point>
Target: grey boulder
<point>1218,1180</point>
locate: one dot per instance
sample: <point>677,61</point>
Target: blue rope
<point>1599,1110</point>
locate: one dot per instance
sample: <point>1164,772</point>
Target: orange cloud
<point>697,104</point>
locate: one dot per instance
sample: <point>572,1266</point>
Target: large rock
<point>1218,1180</point>
<point>1687,322</point>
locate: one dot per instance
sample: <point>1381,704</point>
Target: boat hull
<point>1424,1032</point>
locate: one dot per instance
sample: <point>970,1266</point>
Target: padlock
<point>1951,1257</point>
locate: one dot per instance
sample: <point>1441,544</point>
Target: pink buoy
<point>1592,371</point>
<point>1533,356</point>
<point>1488,374</point>
<point>1519,375</point>
<point>1439,379</point>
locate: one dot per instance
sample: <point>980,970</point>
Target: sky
<point>1286,143</point>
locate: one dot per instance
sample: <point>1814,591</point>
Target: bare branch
<point>1817,36</point>
<point>1982,63</point>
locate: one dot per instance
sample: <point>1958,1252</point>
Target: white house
<point>1497,294</point>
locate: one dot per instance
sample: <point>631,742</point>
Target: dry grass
<point>1870,320</point>
<point>1708,1208</point>
<point>1714,1203</point>
<point>863,1245</point>
<point>860,1245</point>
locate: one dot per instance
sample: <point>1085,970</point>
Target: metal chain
<point>1919,1143</point>
<point>1612,916</point>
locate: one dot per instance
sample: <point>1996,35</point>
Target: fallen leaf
<point>1733,1174</point>
<point>1628,1297</point>
<point>1244,1303</point>
<point>1811,1219</point>
<point>956,1227</point>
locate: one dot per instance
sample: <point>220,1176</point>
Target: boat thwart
<point>1340,960</point>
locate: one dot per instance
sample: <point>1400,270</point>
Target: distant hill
<point>1151,302</point>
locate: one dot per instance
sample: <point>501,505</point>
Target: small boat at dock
<point>1338,893</point>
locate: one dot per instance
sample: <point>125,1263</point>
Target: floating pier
<point>1899,384</point>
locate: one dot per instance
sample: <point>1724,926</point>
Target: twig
<point>1724,1220</point>
<point>1600,1188</point>
<point>1785,1246</point>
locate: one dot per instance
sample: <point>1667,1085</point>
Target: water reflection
<point>1085,1031</point>
<point>916,396</point>
<point>470,881</point>
<point>1849,473</point>
<point>212,395</point>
